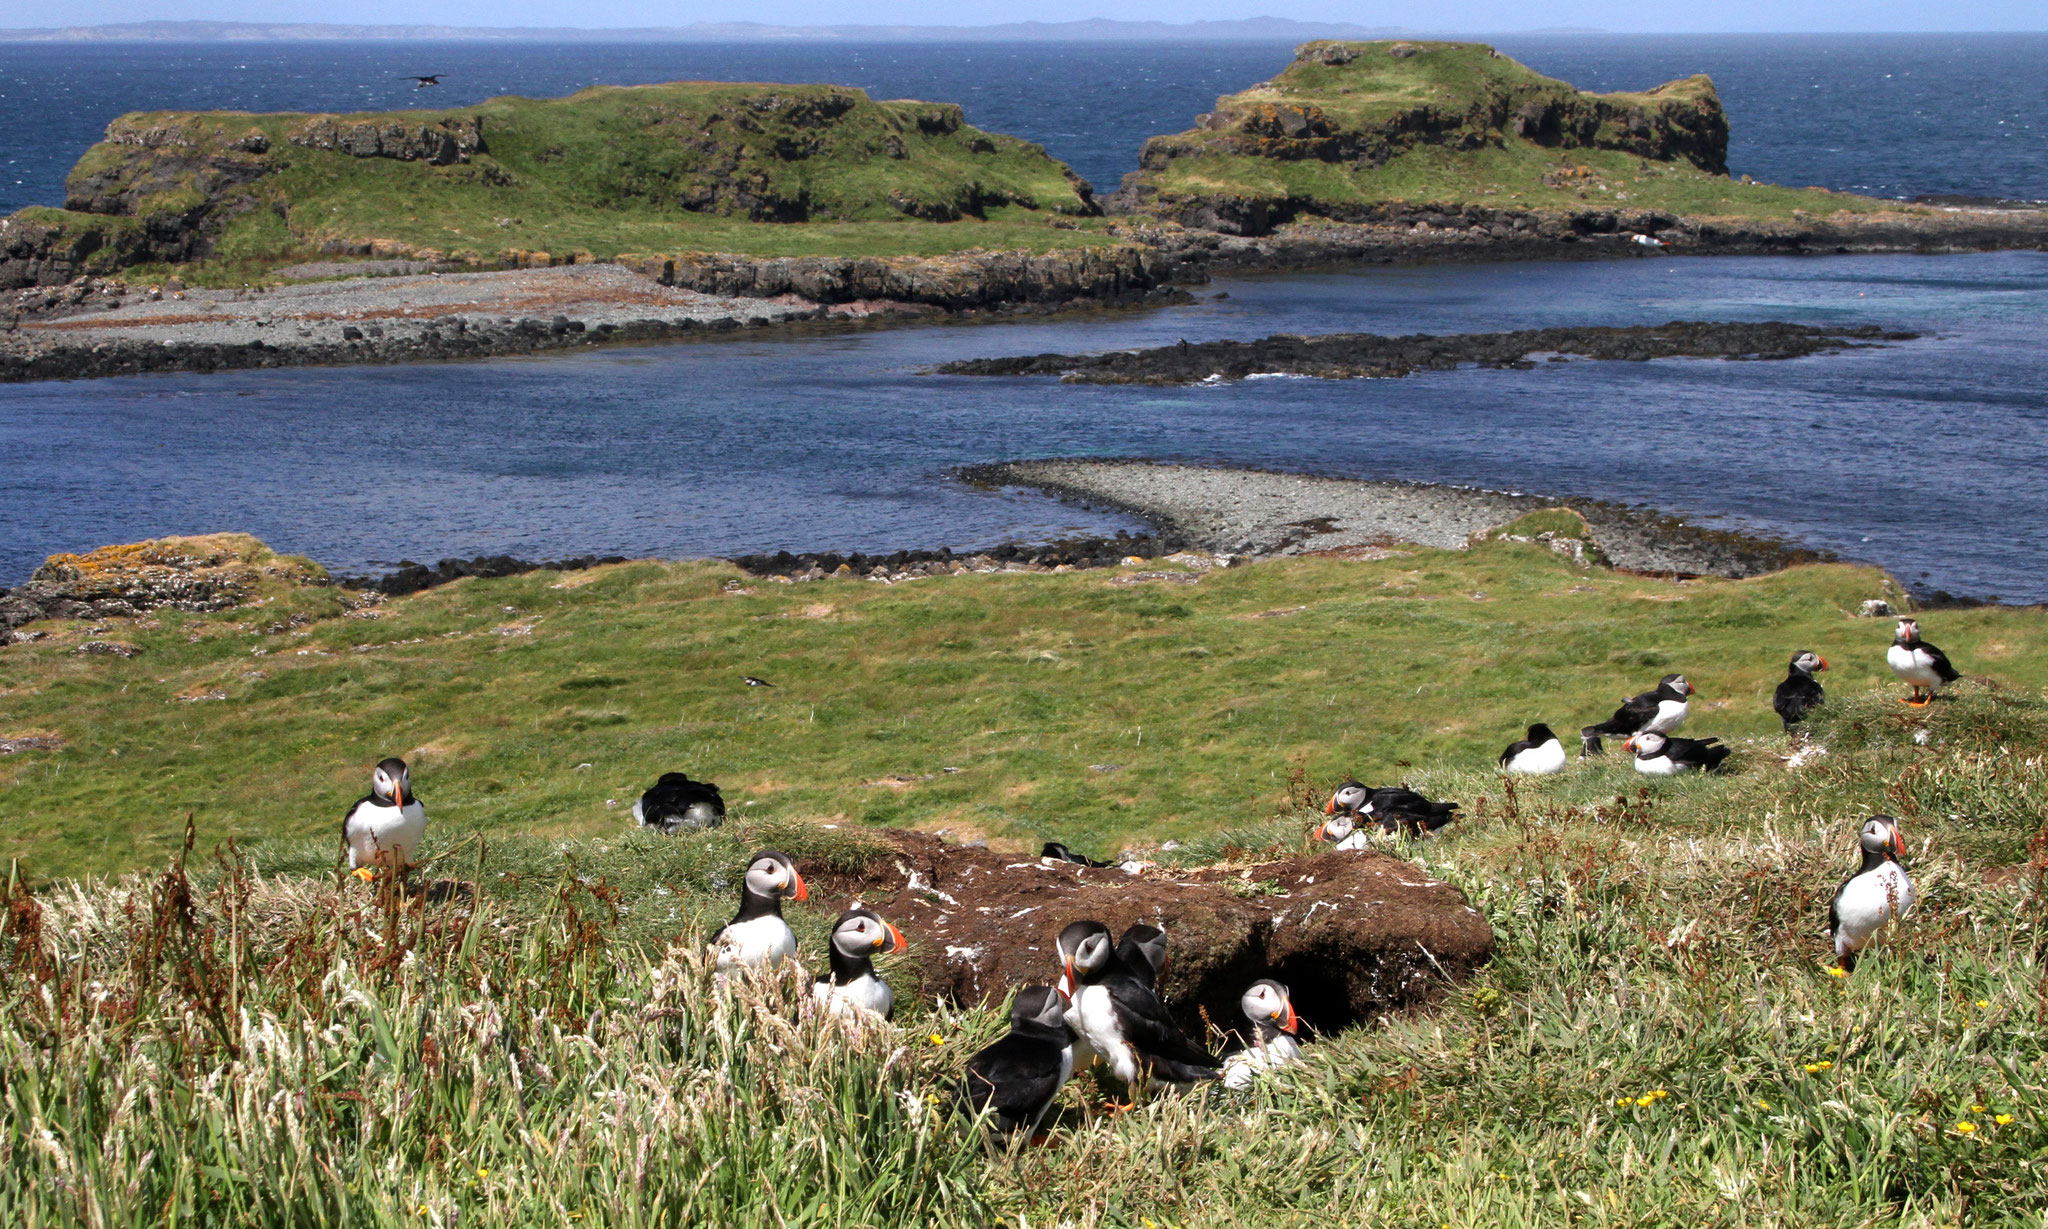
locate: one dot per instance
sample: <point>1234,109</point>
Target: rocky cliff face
<point>1356,110</point>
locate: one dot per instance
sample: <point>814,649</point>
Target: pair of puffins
<point>759,937</point>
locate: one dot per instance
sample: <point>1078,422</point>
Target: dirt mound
<point>1353,934</point>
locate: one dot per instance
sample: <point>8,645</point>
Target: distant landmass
<point>1094,30</point>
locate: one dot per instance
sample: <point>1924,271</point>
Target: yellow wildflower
<point>483,1173</point>
<point>1762,1104</point>
<point>1813,1068</point>
<point>1976,1109</point>
<point>2004,1120</point>
<point>1621,1100</point>
<point>1981,1003</point>
<point>1825,1065</point>
<point>1659,1093</point>
<point>1965,1128</point>
<point>1838,971</point>
<point>1646,1101</point>
<point>938,1040</point>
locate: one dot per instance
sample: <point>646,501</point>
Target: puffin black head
<point>1676,686</point>
<point>1085,951</point>
<point>391,782</point>
<point>1881,837</point>
<point>861,934</point>
<point>1806,661</point>
<point>1908,632</point>
<point>1065,946</point>
<point>1042,1006</point>
<point>1337,827</point>
<point>772,876</point>
<point>1145,944</point>
<point>1268,1005</point>
<point>1646,745</point>
<point>1540,734</point>
<point>1350,797</point>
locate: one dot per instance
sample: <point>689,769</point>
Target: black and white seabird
<point>1342,830</point>
<point>1870,898</point>
<point>1063,950</point>
<point>1660,710</point>
<point>1393,808</point>
<point>1538,754</point>
<point>757,935</point>
<point>1016,1078</point>
<point>1919,663</point>
<point>1127,1024</point>
<point>852,986</point>
<point>384,829</point>
<point>1800,693</point>
<point>1660,755</point>
<point>1270,1008</point>
<point>425,82</point>
<point>753,682</point>
<point>1143,948</point>
<point>1060,853</point>
<point>675,802</point>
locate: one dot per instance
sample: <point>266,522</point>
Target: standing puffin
<point>1878,891</point>
<point>1660,756</point>
<point>1537,755</point>
<point>1270,1008</point>
<point>1016,1078</point>
<point>757,935</point>
<point>1800,693</point>
<point>1144,949</point>
<point>385,828</point>
<point>1660,710</point>
<point>1063,949</point>
<point>677,802</point>
<point>1919,663</point>
<point>857,937</point>
<point>1125,1021</point>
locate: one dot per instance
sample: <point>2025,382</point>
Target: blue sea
<point>1925,457</point>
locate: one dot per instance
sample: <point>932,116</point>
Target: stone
<point>1875,608</point>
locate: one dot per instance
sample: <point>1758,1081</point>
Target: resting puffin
<point>1394,808</point>
<point>1537,755</point>
<point>385,828</point>
<point>1918,663</point>
<point>1270,1008</point>
<point>1127,1024</point>
<point>1016,1078</point>
<point>677,802</point>
<point>1873,895</point>
<point>1658,755</point>
<point>852,985</point>
<point>1342,829</point>
<point>1060,853</point>
<point>1660,710</point>
<point>1800,693</point>
<point>1144,949</point>
<point>757,935</point>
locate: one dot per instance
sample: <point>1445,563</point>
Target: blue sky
<point>1442,15</point>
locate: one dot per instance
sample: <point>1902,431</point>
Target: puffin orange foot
<point>1118,1107</point>
<point>1041,1139</point>
<point>363,873</point>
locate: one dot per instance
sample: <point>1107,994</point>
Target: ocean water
<point>1925,457</point>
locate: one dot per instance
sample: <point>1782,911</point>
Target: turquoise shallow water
<point>1926,457</point>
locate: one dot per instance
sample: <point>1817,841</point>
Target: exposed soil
<point>1347,356</point>
<point>1354,935</point>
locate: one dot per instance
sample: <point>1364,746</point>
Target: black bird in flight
<point>751,681</point>
<point>420,83</point>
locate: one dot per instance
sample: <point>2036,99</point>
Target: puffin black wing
<point>675,802</point>
<point>1797,696</point>
<point>349,814</point>
<point>1942,669</point>
<point>1516,748</point>
<point>1706,752</point>
<point>1060,853</point>
<point>1016,1077</point>
<point>1143,1021</point>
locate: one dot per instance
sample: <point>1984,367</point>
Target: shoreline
<point>93,327</point>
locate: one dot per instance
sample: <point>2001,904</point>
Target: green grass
<point>994,695</point>
<point>259,1046</point>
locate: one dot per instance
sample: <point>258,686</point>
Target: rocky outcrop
<point>212,572</point>
<point>1346,356</point>
<point>441,143</point>
<point>1354,935</point>
<point>1110,274</point>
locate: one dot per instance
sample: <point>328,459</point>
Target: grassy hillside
<point>1349,128</point>
<point>608,171</point>
<point>982,704</point>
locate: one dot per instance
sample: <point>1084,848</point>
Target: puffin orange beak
<point>1320,829</point>
<point>398,794</point>
<point>897,943</point>
<point>1896,843</point>
<point>1067,974</point>
<point>1691,690</point>
<point>1823,663</point>
<point>1293,1021</point>
<point>1330,808</point>
<point>802,892</point>
<point>1629,743</point>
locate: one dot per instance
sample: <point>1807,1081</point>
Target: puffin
<point>1144,949</point>
<point>676,802</point>
<point>1659,755</point>
<point>1063,949</point>
<point>1875,893</point>
<point>1270,1008</point>
<point>1659,710</point>
<point>1919,663</point>
<point>852,986</point>
<point>757,936</point>
<point>1125,1021</point>
<point>1395,808</point>
<point>384,829</point>
<point>1538,754</point>
<point>1015,1078</point>
<point>1060,853</point>
<point>1342,829</point>
<point>1800,693</point>
<point>424,81</point>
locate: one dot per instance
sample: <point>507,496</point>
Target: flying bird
<point>421,83</point>
<point>751,681</point>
